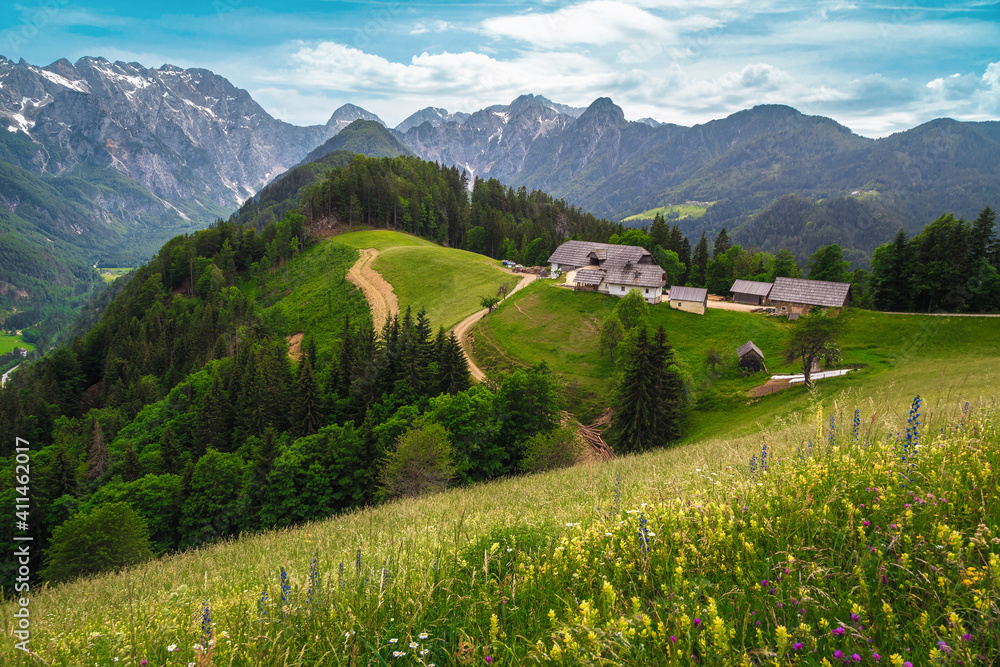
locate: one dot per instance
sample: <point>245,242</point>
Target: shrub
<point>109,538</point>
<point>548,451</point>
<point>422,463</point>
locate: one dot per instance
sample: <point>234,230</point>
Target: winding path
<point>378,292</point>
<point>462,329</point>
<point>383,302</point>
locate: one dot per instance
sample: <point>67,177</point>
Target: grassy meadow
<point>313,294</point>
<point>111,274</point>
<point>834,541</point>
<point>683,210</point>
<point>8,343</point>
<point>449,283</point>
<point>941,358</point>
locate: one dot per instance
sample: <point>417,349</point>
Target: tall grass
<point>868,538</point>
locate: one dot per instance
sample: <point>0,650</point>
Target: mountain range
<point>101,162</point>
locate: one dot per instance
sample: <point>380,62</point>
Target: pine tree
<point>453,368</point>
<point>700,263</point>
<point>684,255</point>
<point>307,408</point>
<point>659,232</point>
<point>345,361</point>
<point>255,484</point>
<point>722,244</point>
<point>99,460</point>
<point>131,469</point>
<point>677,239</point>
<point>984,237</point>
<point>649,399</point>
<point>214,419</point>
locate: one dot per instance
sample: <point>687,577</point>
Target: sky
<point>876,67</point>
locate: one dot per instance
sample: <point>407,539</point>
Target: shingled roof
<point>751,287</point>
<point>681,293</point>
<point>577,253</point>
<point>746,347</point>
<point>634,275</point>
<point>810,292</point>
<point>589,276</point>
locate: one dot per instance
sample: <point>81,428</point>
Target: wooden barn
<point>796,296</point>
<point>751,358</point>
<point>689,299</point>
<point>751,292</point>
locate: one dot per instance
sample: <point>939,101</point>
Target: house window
<point>647,290</point>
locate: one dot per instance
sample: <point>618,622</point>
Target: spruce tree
<point>722,244</point>
<point>131,469</point>
<point>700,263</point>
<point>650,397</point>
<point>983,235</point>
<point>659,232</point>
<point>307,408</point>
<point>453,368</point>
<point>214,419</point>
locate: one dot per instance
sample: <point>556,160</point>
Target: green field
<point>683,211</point>
<point>941,358</point>
<point>312,295</point>
<point>449,283</point>
<point>381,240</point>
<point>8,343</point>
<point>111,274</point>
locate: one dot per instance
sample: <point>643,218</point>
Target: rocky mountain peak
<point>347,114</point>
<point>603,111</point>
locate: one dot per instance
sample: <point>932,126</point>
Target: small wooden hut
<point>751,358</point>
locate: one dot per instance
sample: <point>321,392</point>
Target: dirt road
<point>378,292</point>
<point>462,330</point>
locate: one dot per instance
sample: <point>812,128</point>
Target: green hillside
<point>558,564</point>
<point>670,212</point>
<point>937,357</point>
<point>365,137</point>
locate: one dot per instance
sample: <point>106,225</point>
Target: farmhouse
<point>608,268</point>
<point>751,358</point>
<point>751,292</point>
<point>689,299</point>
<point>795,296</point>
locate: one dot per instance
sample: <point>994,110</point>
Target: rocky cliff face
<point>493,142</point>
<point>184,134</point>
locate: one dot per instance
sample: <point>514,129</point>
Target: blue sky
<point>877,67</point>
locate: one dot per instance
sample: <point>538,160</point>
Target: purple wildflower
<point>797,646</point>
<point>838,631</point>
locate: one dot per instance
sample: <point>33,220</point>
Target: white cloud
<point>433,26</point>
<point>595,22</point>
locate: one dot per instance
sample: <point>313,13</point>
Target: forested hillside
<point>423,198</point>
<point>186,399</point>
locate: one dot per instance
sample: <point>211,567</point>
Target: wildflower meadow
<point>868,541</point>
